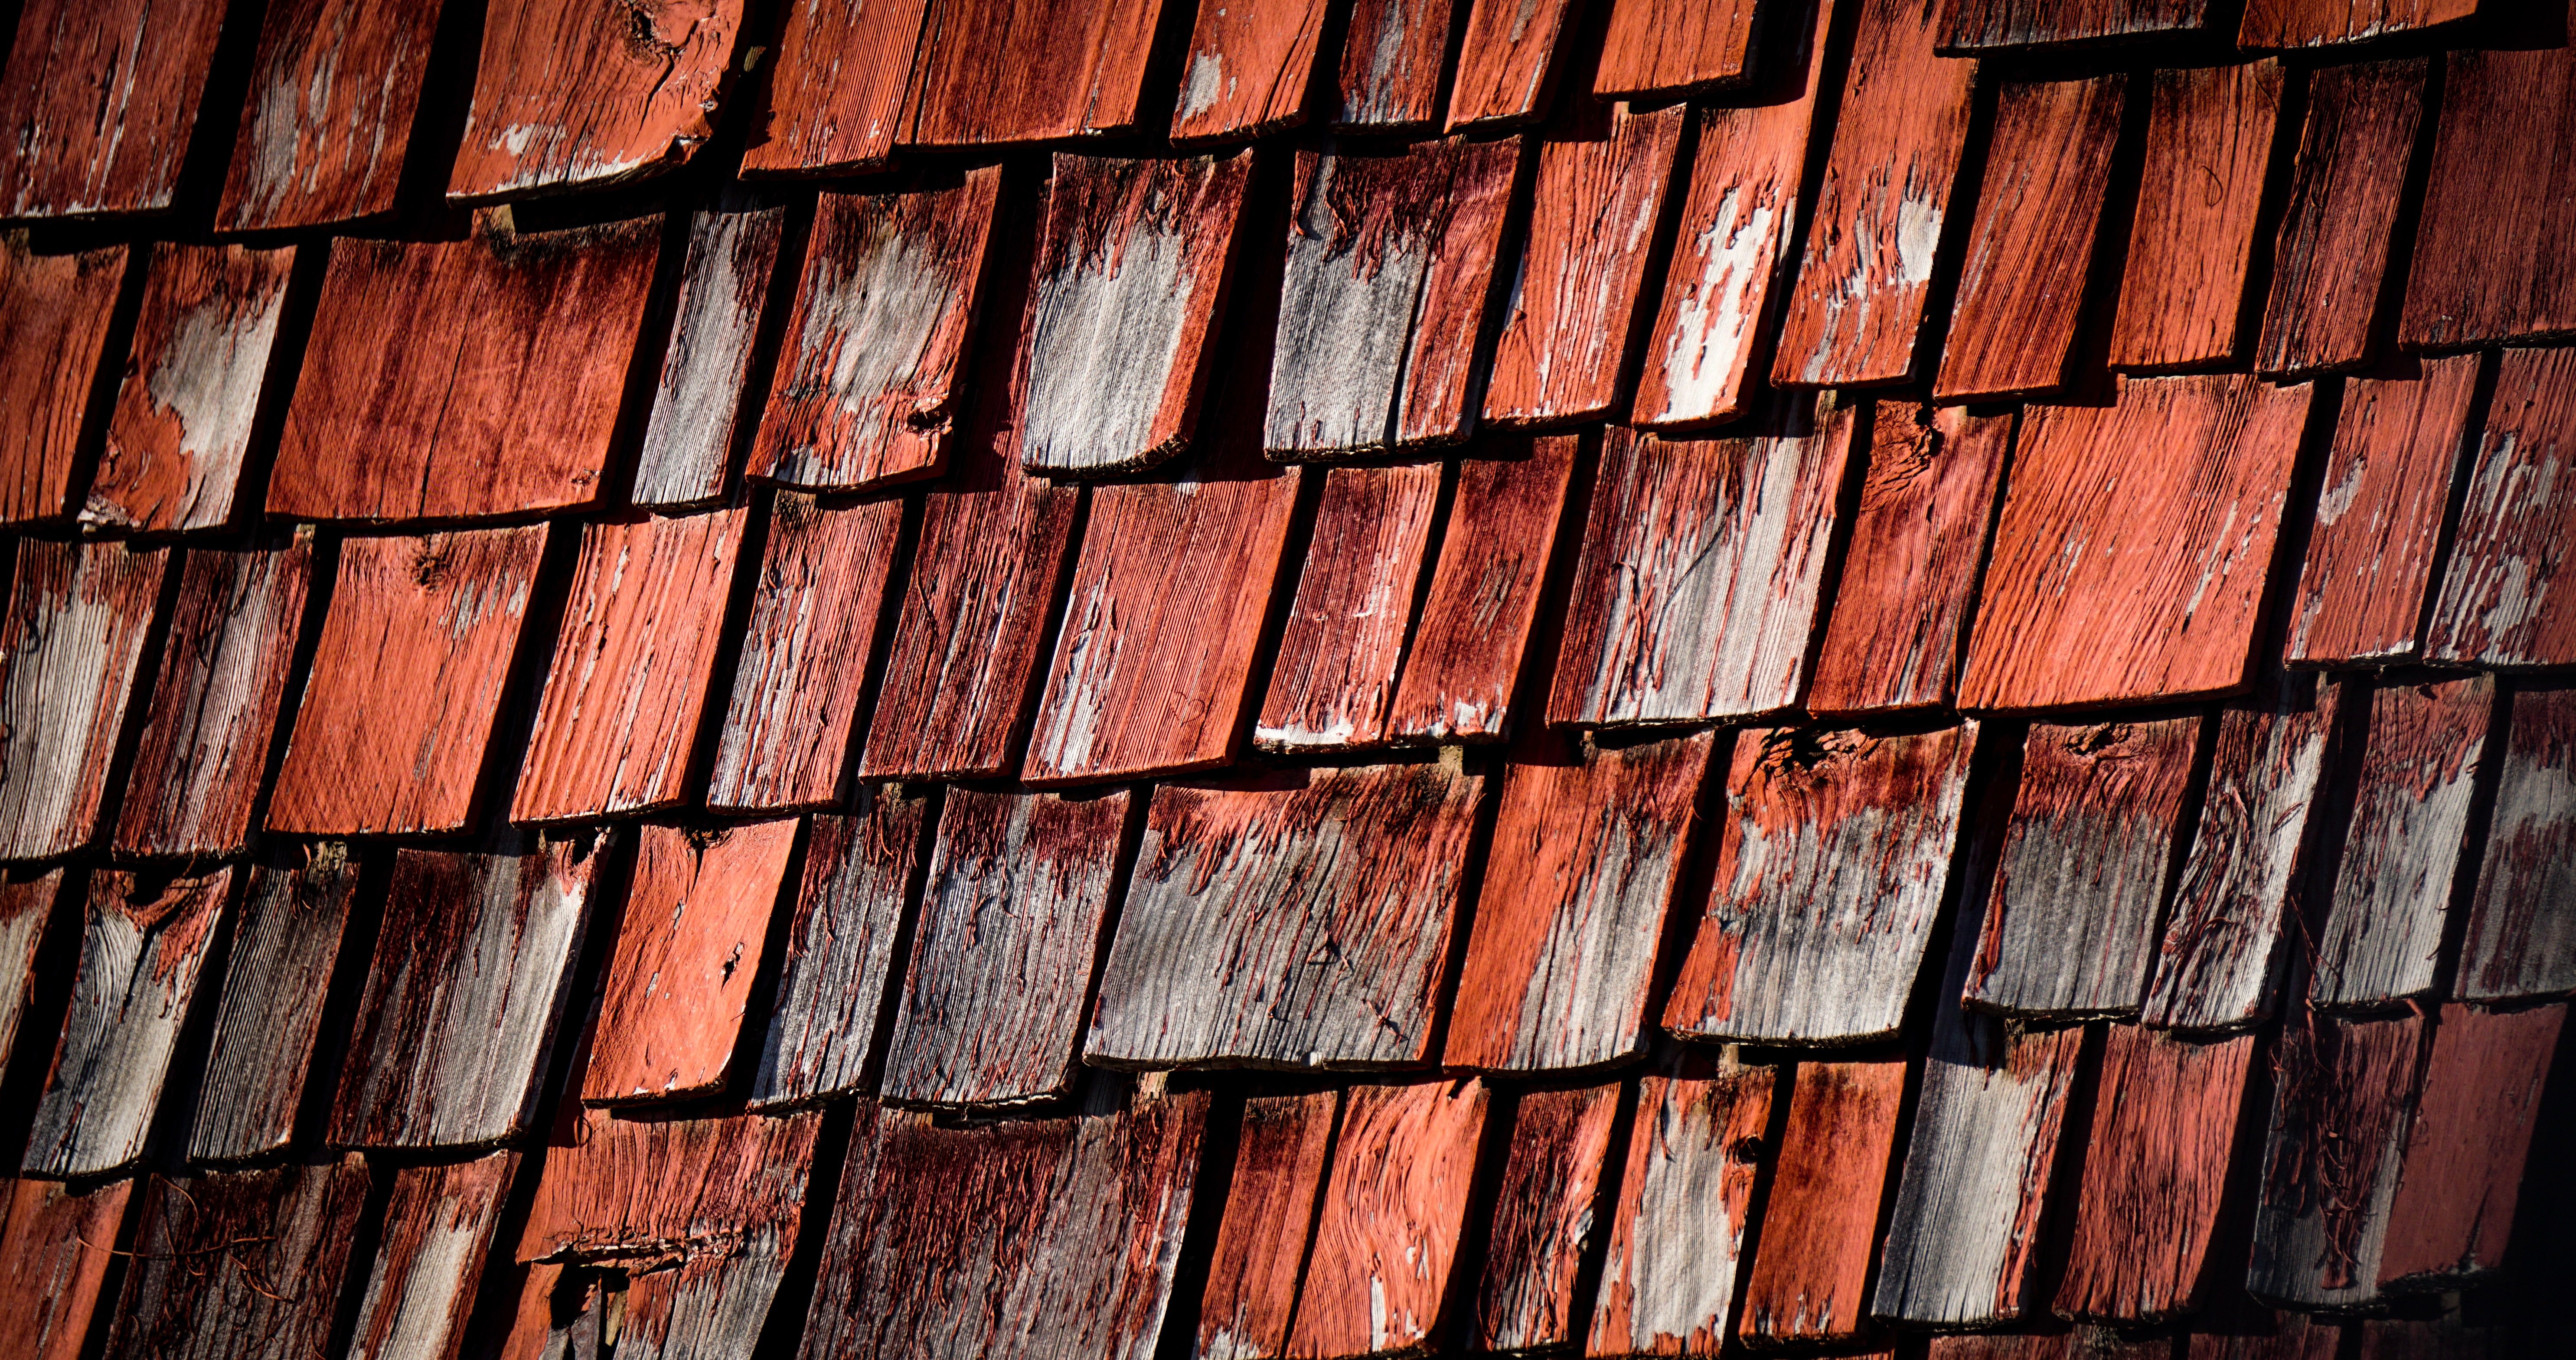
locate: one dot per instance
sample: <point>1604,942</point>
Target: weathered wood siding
<point>1392,52</point>
<point>574,94</point>
<point>1668,1282</point>
<point>101,100</point>
<point>1656,48</point>
<point>1387,1235</point>
<point>840,946</point>
<point>2365,588</point>
<point>1249,67</point>
<point>54,1254</point>
<point>26,906</point>
<point>1976,24</point>
<point>193,382</point>
<point>2342,1093</point>
<point>1333,682</point>
<point>55,310</point>
<point>2192,243</point>
<point>1526,1298</point>
<point>334,88</point>
<point>700,398</point>
<point>78,617</point>
<point>2522,922</point>
<point>2501,603</point>
<point>2316,23</point>
<point>2382,930</point>
<point>1463,667</point>
<point>1508,62</point>
<point>438,1229</point>
<point>285,948</point>
<point>239,1265</point>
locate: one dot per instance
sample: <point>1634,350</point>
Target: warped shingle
<point>1508,62</point>
<point>997,71</point>
<point>2315,23</point>
<point>1250,65</point>
<point>2342,1093</point>
<point>814,612</point>
<point>1298,919</point>
<point>533,333</point>
<point>1463,665</point>
<point>193,382</point>
<point>462,997</point>
<point>1581,878</point>
<point>442,611</point>
<point>1919,532</point>
<point>2382,929</point>
<point>143,950</point>
<point>55,310</point>
<point>26,905</point>
<point>2022,285</point>
<point>1333,681</point>
<point>1073,1254</point>
<point>2462,1175</point>
<point>1695,1150</point>
<point>1571,313</point>
<point>1818,1221</point>
<point>571,94</point>
<point>2134,546</point>
<point>1279,1159</point>
<point>239,1265</point>
<point>100,101</point>
<point>688,946</point>
<point>54,1252</point>
<point>1526,1296</point>
<point>2500,604</point>
<point>1974,24</point>
<point>1699,586</point>
<point>2364,590</point>
<point>2164,1122</point>
<point>2507,125</point>
<point>1854,315</point>
<point>2341,219</point>
<point>438,1229</point>
<point>840,946</point>
<point>700,401</point>
<point>1661,48</point>
<point>833,101</point>
<point>2070,932</point>
<point>285,946</point>
<point>78,615</point>
<point>990,1012</point>
<point>2521,939</point>
<point>868,375</point>
<point>1731,262</point>
<point>620,712</point>
<point>334,88</point>
<point>1390,267</point>
<point>1115,344</point>
<point>2191,244</point>
<point>1392,53</point>
<point>1387,1234</point>
<point>1826,889</point>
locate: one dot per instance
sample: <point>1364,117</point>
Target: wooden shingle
<point>2506,129</point>
<point>1509,59</point>
<point>1662,48</point>
<point>193,382</point>
<point>213,715</point>
<point>2521,940</point>
<point>2365,589</point>
<point>54,1254</point>
<point>78,617</point>
<point>1280,1158</point>
<point>700,401</point>
<point>840,946</point>
<point>2462,1175</point>
<point>1463,666</point>
<point>2382,930</point>
<point>2499,605</point>
<point>1387,1234</point>
<point>1808,1279</point>
<point>2317,23</point>
<point>2155,1177</point>
<point>573,95</point>
<point>1973,25</point>
<point>1002,71</point>
<point>1526,1296</point>
<point>101,101</point>
<point>1695,1150</point>
<point>26,906</point>
<point>2342,1094</point>
<point>2340,224</point>
<point>1392,54</point>
<point>1249,68</point>
<point>285,948</point>
<point>224,1258</point>
<point>1333,682</point>
<point>55,310</point>
<point>833,101</point>
<point>2191,244</point>
<point>335,87</point>
<point>642,1188</point>
<point>438,1230</point>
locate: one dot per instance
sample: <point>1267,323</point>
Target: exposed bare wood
<point>1029,70</point>
<point>1463,666</point>
<point>1387,1234</point>
<point>2464,1165</point>
<point>1508,62</point>
<point>1668,1283</point>
<point>334,89</point>
<point>2191,245</point>
<point>1975,24</point>
<point>78,613</point>
<point>574,94</point>
<point>239,1265</point>
<point>100,101</point>
<point>286,943</point>
<point>2522,923</point>
<point>55,310</point>
<point>26,904</point>
<point>2364,590</point>
<point>1391,57</point>
<point>2342,1093</point>
<point>2383,927</point>
<point>2502,148</point>
<point>1250,64</point>
<point>193,382</point>
<point>836,87</point>
<point>438,1230</point>
<point>698,402</point>
<point>2164,1123</point>
<point>1526,1299</point>
<point>2341,220</point>
<point>1279,1162</point>
<point>2316,23</point>
<point>214,708</point>
<point>2499,605</point>
<point>1333,683</point>
<point>840,946</point>
<point>54,1253</point>
<point>1808,1278</point>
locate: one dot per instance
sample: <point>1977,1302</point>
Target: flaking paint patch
<point>1713,328</point>
<point>1106,335</point>
<point>865,342</point>
<point>1204,84</point>
<point>425,1322</point>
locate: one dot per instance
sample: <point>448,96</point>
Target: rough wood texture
<point>1137,687</point>
<point>2070,932</point>
<point>796,688</point>
<point>1525,1299</point>
<point>334,88</point>
<point>1028,70</point>
<point>2341,1097</point>
<point>1853,317</point>
<point>213,713</point>
<point>1392,53</point>
<point>834,96</point>
<point>2164,1122</point>
<point>2248,866</point>
<point>1730,265</point>
<point>2522,923</point>
<point>1011,917</point>
<point>631,666</point>
<point>574,94</point>
<point>2021,290</point>
<point>99,100</point>
<point>2503,147</point>
<point>538,330</point>
<point>242,1265</point>
<point>1279,1161</point>
<point>2341,220</point>
<point>1298,919</point>
<point>1827,886</point>
<point>840,946</point>
<point>1974,24</point>
<point>1115,343</point>
<point>1464,663</point>
<point>54,1253</point>
<point>698,403</point>
<point>2249,1332</point>
<point>648,1190</point>
<point>78,613</point>
<point>688,946</point>
<point>1685,1199</point>
<point>26,904</point>
<point>2191,245</point>
<point>2364,590</point>
<point>1809,1277</point>
<point>55,310</point>
<point>1699,587</point>
<point>1249,67</point>
<point>1333,683</point>
<point>1074,1256</point>
<point>462,997</point>
<point>868,379</point>
<point>1387,1234</point>
<point>1508,62</point>
<point>438,1231</point>
<point>1909,579</point>
<point>370,757</point>
<point>1660,48</point>
<point>2316,23</point>
<point>1581,876</point>
<point>2501,603</point>
<point>2135,541</point>
<point>182,424</point>
<point>2463,1169</point>
<point>1390,264</point>
<point>1572,310</point>
<point>2382,930</point>
<point>286,943</point>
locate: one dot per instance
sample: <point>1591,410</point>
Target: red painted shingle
<point>1976,24</point>
<point>2380,937</point>
<point>2315,23</point>
<point>2210,132</point>
<point>573,95</point>
<point>1333,682</point>
<point>69,650</point>
<point>2521,940</point>
<point>194,381</point>
<point>100,100</point>
<point>1695,1149</point>
<point>438,1228</point>
<point>2456,1191</point>
<point>2506,126</point>
<point>1674,47</point>
<point>999,71</point>
<point>840,944</point>
<point>1526,1296</point>
<point>1387,1234</point>
<point>2164,1123</point>
<point>1249,68</point>
<point>54,1254</point>
<point>1392,54</point>
<point>2363,592</point>
<point>2342,1092</point>
<point>701,405</point>
<point>833,101</point>
<point>55,310</point>
<point>334,89</point>
<point>1509,59</point>
<point>211,1249</point>
<point>1279,1163</point>
<point>1808,1279</point>
<point>1464,664</point>
<point>2340,224</point>
<point>2499,603</point>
